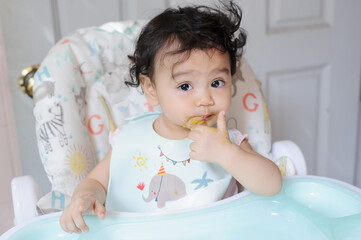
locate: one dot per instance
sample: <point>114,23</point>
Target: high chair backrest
<point>72,124</point>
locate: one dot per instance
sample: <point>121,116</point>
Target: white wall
<point>358,164</point>
<point>9,161</point>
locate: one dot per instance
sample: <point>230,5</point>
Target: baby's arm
<point>88,197</point>
<point>255,172</point>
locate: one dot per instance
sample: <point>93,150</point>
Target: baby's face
<point>193,90</point>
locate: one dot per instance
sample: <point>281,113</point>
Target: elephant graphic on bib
<point>165,187</point>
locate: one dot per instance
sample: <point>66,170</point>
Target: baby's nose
<point>204,98</point>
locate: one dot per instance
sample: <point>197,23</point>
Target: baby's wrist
<point>227,150</point>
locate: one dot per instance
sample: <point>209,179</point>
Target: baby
<point>184,156</point>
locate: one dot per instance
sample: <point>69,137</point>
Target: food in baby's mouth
<point>193,121</point>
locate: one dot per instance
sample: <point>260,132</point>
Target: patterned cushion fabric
<point>72,124</point>
<point>248,112</point>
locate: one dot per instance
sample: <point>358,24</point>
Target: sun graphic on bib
<point>140,162</point>
<point>77,158</point>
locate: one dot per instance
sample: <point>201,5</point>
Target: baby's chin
<point>194,121</point>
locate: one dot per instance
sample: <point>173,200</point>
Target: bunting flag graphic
<point>172,160</point>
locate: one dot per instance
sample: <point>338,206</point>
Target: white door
<point>305,52</point>
<point>307,55</point>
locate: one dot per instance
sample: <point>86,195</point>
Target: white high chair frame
<point>26,192</point>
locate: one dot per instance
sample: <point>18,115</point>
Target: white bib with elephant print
<point>152,173</point>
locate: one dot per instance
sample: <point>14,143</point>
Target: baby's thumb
<point>221,122</point>
<point>99,209</point>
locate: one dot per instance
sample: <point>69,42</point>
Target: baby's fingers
<point>79,222</point>
<point>221,122</point>
<point>67,223</point>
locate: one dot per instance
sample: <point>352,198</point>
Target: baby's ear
<point>149,90</point>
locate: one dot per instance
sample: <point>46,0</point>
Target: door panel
<point>294,99</point>
<point>85,13</point>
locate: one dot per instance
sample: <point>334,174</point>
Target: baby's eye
<point>217,83</point>
<point>185,87</point>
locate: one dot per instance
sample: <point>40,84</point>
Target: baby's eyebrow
<point>221,70</point>
<point>177,74</point>
<point>215,71</point>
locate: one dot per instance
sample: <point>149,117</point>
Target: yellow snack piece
<point>193,121</point>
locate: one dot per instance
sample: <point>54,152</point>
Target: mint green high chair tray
<point>306,208</point>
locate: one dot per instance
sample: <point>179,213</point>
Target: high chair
<point>80,97</point>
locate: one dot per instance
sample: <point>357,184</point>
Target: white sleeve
<point>236,136</point>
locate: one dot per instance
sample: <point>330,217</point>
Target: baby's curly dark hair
<point>198,27</point>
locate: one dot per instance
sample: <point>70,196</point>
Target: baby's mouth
<point>207,117</point>
<point>208,120</point>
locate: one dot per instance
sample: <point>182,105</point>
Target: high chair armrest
<point>25,194</point>
<point>290,150</point>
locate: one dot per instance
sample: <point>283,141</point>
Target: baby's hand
<point>208,141</point>
<point>72,218</point>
